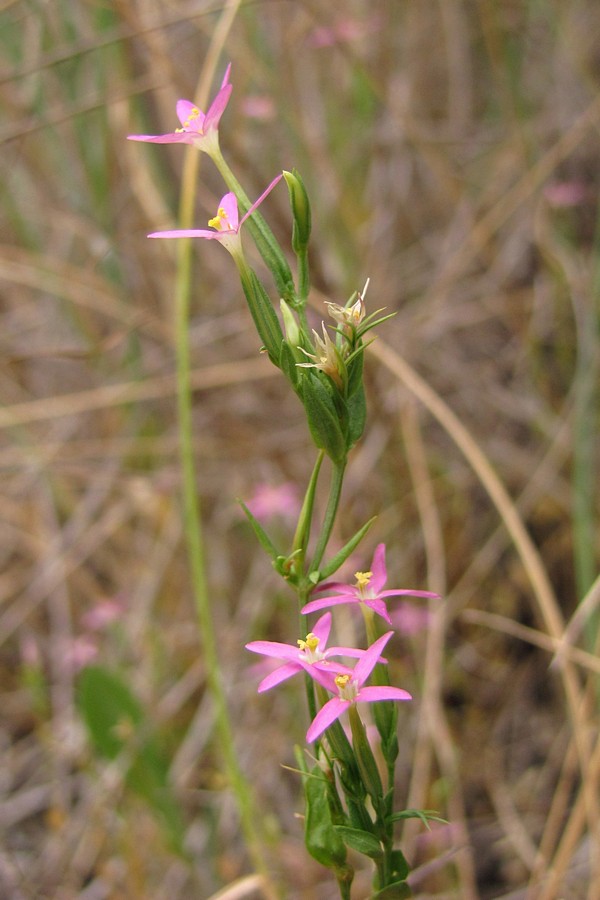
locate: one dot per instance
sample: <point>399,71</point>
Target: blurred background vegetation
<point>451,152</point>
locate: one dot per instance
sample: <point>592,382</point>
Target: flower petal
<point>367,663</point>
<point>175,137</point>
<point>217,108</point>
<point>332,710</point>
<point>323,602</point>
<point>378,569</point>
<point>190,116</point>
<point>379,607</point>
<point>262,197</point>
<point>189,232</point>
<point>321,629</point>
<point>230,205</point>
<point>281,674</point>
<point>274,649</point>
<point>374,694</point>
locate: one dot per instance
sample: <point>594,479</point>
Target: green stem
<point>265,240</point>
<point>335,492</point>
<point>193,532</point>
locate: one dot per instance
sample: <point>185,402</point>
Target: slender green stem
<point>195,544</point>
<point>265,240</point>
<point>335,492</point>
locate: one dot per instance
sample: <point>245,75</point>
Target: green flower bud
<point>300,210</point>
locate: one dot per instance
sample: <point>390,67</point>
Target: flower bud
<point>300,210</point>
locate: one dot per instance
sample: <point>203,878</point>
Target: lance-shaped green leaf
<point>323,419</point>
<point>263,538</point>
<point>263,314</point>
<point>361,841</point>
<point>342,555</point>
<point>425,815</point>
<point>357,417</point>
<point>322,840</point>
<point>302,534</point>
<point>398,890</point>
<point>287,364</point>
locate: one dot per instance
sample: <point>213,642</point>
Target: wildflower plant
<point>348,781</point>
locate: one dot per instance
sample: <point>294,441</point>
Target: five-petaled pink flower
<point>226,223</point>
<point>309,655</point>
<point>367,590</point>
<point>197,128</point>
<point>350,689</point>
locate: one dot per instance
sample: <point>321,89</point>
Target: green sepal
<point>400,867</point>
<point>399,890</point>
<point>362,841</point>
<point>367,764</point>
<point>287,364</point>
<point>290,567</point>
<point>323,419</point>
<point>425,815</point>
<point>342,555</point>
<point>263,538</point>
<point>355,371</point>
<point>301,213</point>
<point>357,416</point>
<point>263,314</point>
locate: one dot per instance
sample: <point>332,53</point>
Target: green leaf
<point>263,314</point>
<point>342,555</point>
<point>399,890</point>
<point>117,725</point>
<point>287,364</point>
<point>362,841</point>
<point>110,711</point>
<point>355,371</point>
<point>357,416</point>
<point>321,838</point>
<point>399,865</point>
<point>323,420</point>
<point>425,815</point>
<point>263,538</point>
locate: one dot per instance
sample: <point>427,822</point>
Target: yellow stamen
<point>342,680</point>
<point>219,220</point>
<point>311,642</point>
<point>363,579</point>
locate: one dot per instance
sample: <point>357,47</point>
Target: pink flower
<point>198,128</point>
<point>350,689</point>
<point>309,655</point>
<point>226,223</point>
<point>102,615</point>
<point>367,590</point>
<point>269,501</point>
<point>409,619</point>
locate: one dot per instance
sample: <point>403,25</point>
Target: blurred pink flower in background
<point>563,194</point>
<point>103,614</point>
<point>409,619</point>
<point>269,501</point>
<point>79,652</point>
<point>259,106</point>
<point>342,32</point>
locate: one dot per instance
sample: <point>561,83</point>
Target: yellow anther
<point>363,579</point>
<point>219,220</point>
<point>312,641</point>
<point>342,680</point>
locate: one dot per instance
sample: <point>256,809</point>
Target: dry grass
<point>451,152</point>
